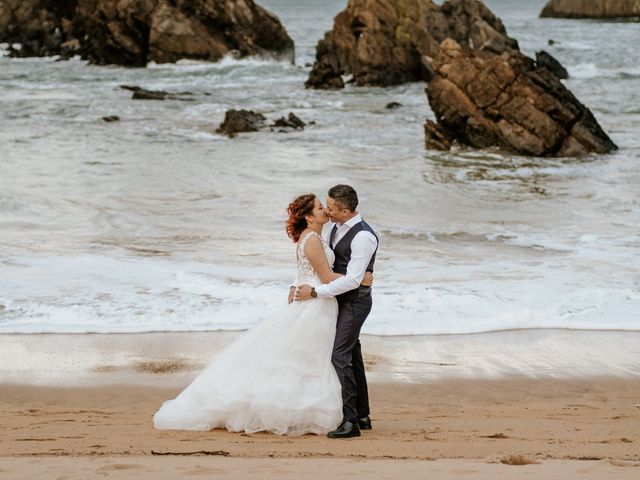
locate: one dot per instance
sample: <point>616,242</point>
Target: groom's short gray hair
<point>345,195</point>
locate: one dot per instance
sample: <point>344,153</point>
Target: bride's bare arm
<point>314,251</point>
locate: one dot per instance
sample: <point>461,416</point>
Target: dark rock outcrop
<point>546,60</point>
<point>392,105</point>
<point>385,42</point>
<point>140,93</point>
<point>149,95</point>
<point>237,121</point>
<point>111,118</point>
<point>483,99</point>
<point>591,9</point>
<point>292,122</point>
<point>435,137</point>
<point>135,32</point>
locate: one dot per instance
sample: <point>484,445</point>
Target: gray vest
<point>342,249</point>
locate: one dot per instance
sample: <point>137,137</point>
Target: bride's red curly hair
<point>298,209</point>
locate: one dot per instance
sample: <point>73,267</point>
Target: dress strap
<point>309,235</point>
<point>300,250</point>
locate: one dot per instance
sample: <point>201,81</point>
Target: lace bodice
<point>306,273</point>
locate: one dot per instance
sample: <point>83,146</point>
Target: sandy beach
<point>448,426</point>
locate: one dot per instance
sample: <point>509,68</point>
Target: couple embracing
<point>300,371</point>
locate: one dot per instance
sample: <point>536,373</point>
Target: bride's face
<point>318,214</point>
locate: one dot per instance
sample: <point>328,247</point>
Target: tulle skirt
<point>277,377</point>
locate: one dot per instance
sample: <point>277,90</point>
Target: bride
<point>278,376</point>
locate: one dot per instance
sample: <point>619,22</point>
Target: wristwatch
<point>313,293</point>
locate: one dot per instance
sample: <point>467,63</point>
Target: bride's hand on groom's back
<point>367,280</point>
<point>292,292</point>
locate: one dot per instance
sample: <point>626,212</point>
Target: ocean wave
<point>141,294</point>
<point>225,63</point>
<point>197,134</point>
<point>439,236</point>
<point>527,241</point>
<point>158,296</point>
<point>409,310</point>
<point>427,310</point>
<point>569,45</point>
<point>585,71</point>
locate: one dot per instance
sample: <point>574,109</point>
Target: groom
<point>355,245</point>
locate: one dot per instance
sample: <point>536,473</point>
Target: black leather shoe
<point>345,430</point>
<point>364,423</point>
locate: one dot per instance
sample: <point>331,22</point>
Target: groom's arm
<point>363,247</point>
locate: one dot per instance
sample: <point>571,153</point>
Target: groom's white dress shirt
<point>363,246</point>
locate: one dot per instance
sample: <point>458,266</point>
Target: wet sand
<point>441,427</point>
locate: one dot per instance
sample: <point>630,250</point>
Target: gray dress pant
<point>353,309</point>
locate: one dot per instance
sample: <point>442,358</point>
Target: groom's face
<point>335,211</point>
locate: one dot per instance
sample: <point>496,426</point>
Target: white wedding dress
<point>277,377</point>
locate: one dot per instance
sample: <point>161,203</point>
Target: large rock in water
<point>135,32</point>
<point>591,9</point>
<point>385,42</point>
<point>483,99</point>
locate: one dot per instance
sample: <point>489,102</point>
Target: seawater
<point>156,223</point>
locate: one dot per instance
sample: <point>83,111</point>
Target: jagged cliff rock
<point>40,26</point>
<point>135,32</point>
<point>483,99</point>
<point>591,9</point>
<point>385,42</point>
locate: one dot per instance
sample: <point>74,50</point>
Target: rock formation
<point>40,26</point>
<point>546,60</point>
<point>591,9</point>
<point>237,121</point>
<point>385,42</point>
<point>135,32</point>
<point>140,93</point>
<point>291,122</point>
<point>483,99</point>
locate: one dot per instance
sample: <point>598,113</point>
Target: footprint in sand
<point>119,466</point>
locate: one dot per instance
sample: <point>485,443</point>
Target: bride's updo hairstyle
<point>298,209</point>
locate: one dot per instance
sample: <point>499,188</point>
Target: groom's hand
<point>303,292</point>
